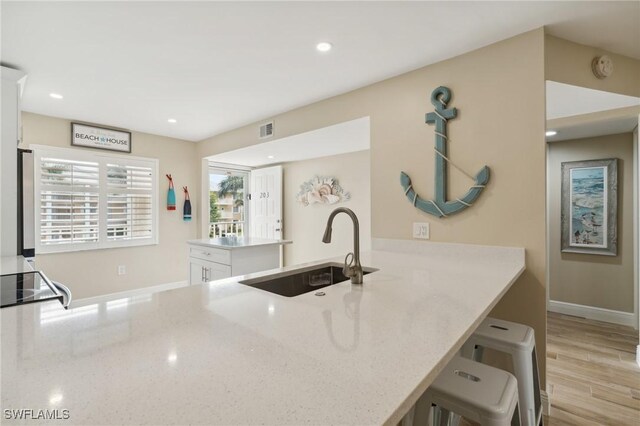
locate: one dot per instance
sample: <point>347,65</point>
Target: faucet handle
<point>347,270</point>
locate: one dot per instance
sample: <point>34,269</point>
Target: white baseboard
<point>638,355</point>
<point>545,400</point>
<point>591,312</point>
<point>128,293</point>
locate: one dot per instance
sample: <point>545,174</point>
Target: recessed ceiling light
<point>172,120</point>
<point>551,133</point>
<point>270,157</point>
<point>56,96</point>
<point>324,46</point>
<point>55,398</point>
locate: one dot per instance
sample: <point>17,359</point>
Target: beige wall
<point>600,281</point>
<point>570,63</point>
<point>499,91</point>
<point>94,272</point>
<point>305,225</point>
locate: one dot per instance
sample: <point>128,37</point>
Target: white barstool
<point>517,340</point>
<point>477,392</point>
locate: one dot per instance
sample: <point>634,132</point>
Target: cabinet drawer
<point>211,254</point>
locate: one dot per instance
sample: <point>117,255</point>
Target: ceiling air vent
<point>266,130</point>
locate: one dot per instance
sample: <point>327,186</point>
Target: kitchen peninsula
<point>216,258</point>
<point>227,353</point>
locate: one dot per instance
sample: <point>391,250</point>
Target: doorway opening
<point>228,189</point>
<point>592,247</point>
<point>286,189</point>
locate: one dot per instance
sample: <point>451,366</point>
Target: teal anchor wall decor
<point>440,207</point>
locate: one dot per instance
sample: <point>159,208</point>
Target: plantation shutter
<point>129,201</point>
<point>68,201</point>
<point>93,200</point>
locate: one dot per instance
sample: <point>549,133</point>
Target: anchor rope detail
<point>437,208</point>
<point>408,189</point>
<point>454,165</point>
<point>440,115</point>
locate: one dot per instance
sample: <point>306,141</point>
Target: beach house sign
<point>100,137</point>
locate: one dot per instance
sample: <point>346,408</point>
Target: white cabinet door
<point>265,206</point>
<point>217,272</point>
<point>196,272</point>
<point>201,271</point>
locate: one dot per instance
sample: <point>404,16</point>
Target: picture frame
<point>589,207</point>
<point>90,136</point>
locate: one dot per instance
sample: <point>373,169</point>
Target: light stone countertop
<point>226,353</point>
<point>14,265</point>
<point>229,243</point>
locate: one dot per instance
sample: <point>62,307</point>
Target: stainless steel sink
<point>300,281</point>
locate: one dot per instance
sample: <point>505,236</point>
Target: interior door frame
<point>634,320</point>
<point>636,233</point>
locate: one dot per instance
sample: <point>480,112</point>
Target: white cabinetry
<point>207,264</point>
<point>12,85</point>
<point>210,262</point>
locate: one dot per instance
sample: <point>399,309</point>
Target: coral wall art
<point>322,190</point>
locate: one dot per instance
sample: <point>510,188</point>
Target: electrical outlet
<point>421,230</point>
<point>122,269</point>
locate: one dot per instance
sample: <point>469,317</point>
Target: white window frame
<point>102,159</point>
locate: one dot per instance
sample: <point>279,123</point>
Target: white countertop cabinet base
<point>212,263</point>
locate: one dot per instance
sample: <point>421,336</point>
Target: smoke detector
<point>602,66</point>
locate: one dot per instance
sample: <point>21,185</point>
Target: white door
<point>265,205</point>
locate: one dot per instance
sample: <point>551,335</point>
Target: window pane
<point>130,209</point>
<point>67,217</point>
<point>68,201</point>
<point>127,176</point>
<point>73,174</point>
<point>129,216</point>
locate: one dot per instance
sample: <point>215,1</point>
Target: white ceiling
<point>215,66</point>
<point>350,136</point>
<point>578,112</point>
<point>596,127</point>
<point>564,100</point>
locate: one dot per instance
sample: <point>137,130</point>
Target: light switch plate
<point>122,269</point>
<point>421,230</point>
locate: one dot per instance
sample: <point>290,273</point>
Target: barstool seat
<point>477,392</point>
<point>517,340</point>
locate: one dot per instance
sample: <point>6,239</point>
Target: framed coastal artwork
<point>589,207</point>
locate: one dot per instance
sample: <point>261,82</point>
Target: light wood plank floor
<point>592,375</point>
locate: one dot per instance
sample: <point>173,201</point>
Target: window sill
<point>76,248</point>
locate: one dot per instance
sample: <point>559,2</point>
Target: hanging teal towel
<point>171,195</point>
<point>186,211</point>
